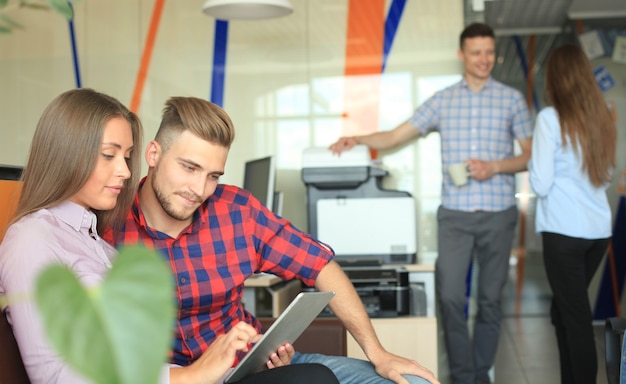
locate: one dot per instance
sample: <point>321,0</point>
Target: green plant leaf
<point>3,3</point>
<point>6,30</point>
<point>10,22</point>
<point>36,6</point>
<point>118,332</point>
<point>73,324</point>
<point>63,7</point>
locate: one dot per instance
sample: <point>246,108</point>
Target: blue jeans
<point>349,370</point>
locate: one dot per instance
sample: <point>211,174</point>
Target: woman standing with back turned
<point>572,162</point>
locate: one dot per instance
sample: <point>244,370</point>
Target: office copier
<point>349,209</point>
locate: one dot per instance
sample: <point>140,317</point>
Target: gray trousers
<point>461,235</point>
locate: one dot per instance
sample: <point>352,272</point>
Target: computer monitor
<point>277,206</point>
<point>259,178</point>
<point>10,172</point>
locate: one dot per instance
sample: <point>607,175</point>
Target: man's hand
<point>393,367</point>
<point>481,170</point>
<point>282,356</point>
<point>343,144</point>
<point>218,358</point>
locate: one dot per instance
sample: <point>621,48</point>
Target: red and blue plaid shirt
<point>231,237</point>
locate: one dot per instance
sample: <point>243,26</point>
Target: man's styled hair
<point>476,30</point>
<point>65,149</point>
<point>201,117</point>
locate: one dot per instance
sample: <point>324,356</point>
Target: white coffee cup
<point>459,173</point>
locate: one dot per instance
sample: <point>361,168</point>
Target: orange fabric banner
<point>363,66</point>
<point>147,55</point>
<point>9,197</point>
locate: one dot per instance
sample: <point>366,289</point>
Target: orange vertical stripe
<point>147,55</point>
<point>579,27</point>
<point>365,37</point>
<point>521,252</point>
<point>531,71</point>
<point>363,66</point>
<point>521,257</point>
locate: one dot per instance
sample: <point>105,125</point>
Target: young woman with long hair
<point>572,162</point>
<point>79,180</point>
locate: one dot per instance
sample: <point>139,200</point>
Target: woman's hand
<point>219,357</point>
<point>282,356</point>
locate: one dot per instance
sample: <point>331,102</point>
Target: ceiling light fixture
<point>247,9</point>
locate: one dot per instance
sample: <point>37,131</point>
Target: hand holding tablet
<point>286,329</point>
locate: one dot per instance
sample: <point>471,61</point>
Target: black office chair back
<point>613,335</point>
<point>11,366</point>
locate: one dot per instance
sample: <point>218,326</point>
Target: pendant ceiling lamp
<point>247,9</point>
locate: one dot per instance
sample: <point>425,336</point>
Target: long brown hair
<point>583,113</point>
<point>65,149</point>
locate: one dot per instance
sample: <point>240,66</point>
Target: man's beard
<point>166,204</point>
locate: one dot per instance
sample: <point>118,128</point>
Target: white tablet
<point>286,329</point>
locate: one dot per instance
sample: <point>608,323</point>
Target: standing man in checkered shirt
<point>479,119</point>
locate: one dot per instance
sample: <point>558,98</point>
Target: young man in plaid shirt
<point>479,120</point>
<point>215,236</point>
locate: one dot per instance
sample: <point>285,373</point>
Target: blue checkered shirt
<point>482,125</point>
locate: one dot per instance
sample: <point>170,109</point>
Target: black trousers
<point>307,373</point>
<point>570,265</point>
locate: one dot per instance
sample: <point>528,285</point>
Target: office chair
<point>11,365</point>
<point>613,336</point>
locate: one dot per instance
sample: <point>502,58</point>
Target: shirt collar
<point>488,84</point>
<point>136,209</point>
<point>75,216</point>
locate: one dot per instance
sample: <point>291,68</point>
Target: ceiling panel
<point>587,9</point>
<point>514,17</point>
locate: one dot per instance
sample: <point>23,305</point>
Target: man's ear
<point>153,153</point>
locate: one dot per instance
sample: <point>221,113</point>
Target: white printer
<point>349,210</point>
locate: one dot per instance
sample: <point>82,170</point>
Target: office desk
<point>413,337</point>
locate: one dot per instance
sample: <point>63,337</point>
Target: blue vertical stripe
<point>221,42</point>
<point>391,26</point>
<point>219,62</point>
<point>74,50</point>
